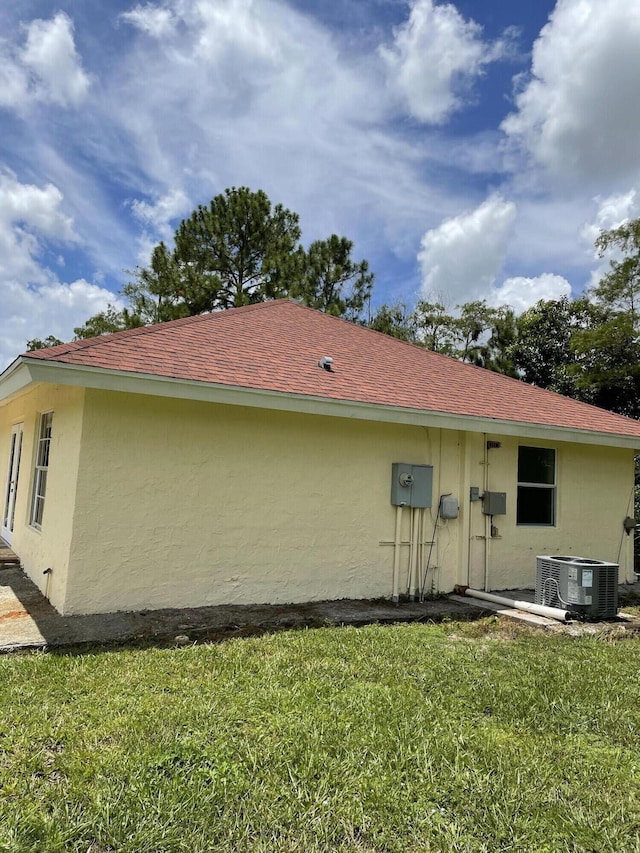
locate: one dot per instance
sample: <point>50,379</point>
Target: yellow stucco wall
<point>185,503</point>
<point>156,502</point>
<point>594,494</point>
<point>50,546</point>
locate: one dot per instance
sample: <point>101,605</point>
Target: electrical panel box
<point>494,503</point>
<point>411,485</point>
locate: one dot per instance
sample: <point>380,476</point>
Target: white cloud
<point>232,36</point>
<point>240,25</point>
<point>51,55</point>
<point>577,113</point>
<point>13,77</point>
<point>36,206</point>
<point>612,212</point>
<point>47,68</point>
<point>434,59</point>
<point>461,258</point>
<point>267,98</point>
<point>156,21</point>
<point>160,214</point>
<point>197,95</point>
<point>48,308</point>
<point>521,293</point>
<point>34,303</point>
<point>26,211</point>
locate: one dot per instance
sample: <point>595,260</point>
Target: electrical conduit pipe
<point>414,553</point>
<point>528,606</point>
<point>395,596</point>
<point>410,559</point>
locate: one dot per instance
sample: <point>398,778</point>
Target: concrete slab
<point>7,556</point>
<point>512,613</point>
<point>22,609</point>
<point>27,620</point>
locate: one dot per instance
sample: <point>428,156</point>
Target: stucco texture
<point>155,502</point>
<point>49,547</point>
<point>182,503</point>
<point>594,494</point>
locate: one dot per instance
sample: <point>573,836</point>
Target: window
<point>536,486</point>
<point>41,468</point>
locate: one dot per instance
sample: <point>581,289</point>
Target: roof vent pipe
<point>325,363</point>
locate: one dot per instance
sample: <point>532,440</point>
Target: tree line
<point>586,348</point>
<point>241,249</point>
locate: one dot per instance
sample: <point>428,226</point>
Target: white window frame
<point>40,470</point>
<point>553,487</point>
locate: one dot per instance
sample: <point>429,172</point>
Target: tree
<point>607,352</point>
<point>619,289</point>
<point>157,293</point>
<point>394,320</point>
<point>542,351</point>
<point>496,353</point>
<point>106,322</point>
<point>331,281</point>
<point>38,343</point>
<point>474,320</point>
<point>476,333</point>
<point>606,367</point>
<point>435,327</point>
<point>237,251</point>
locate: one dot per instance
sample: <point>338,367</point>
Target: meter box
<point>449,507</point>
<point>494,503</point>
<point>411,485</point>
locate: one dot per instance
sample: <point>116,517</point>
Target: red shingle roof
<point>276,346</point>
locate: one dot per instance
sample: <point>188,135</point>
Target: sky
<point>469,150</point>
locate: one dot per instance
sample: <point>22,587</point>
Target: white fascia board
<point>185,389</point>
<point>15,379</point>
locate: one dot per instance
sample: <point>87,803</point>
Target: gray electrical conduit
<point>433,539</point>
<point>633,489</point>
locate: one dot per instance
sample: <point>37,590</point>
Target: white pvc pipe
<point>416,544</point>
<point>396,555</point>
<point>487,518</point>
<point>528,606</point>
<point>410,559</point>
<point>420,560</point>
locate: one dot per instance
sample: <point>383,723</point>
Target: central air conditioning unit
<point>586,587</point>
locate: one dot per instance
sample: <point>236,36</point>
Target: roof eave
<point>15,378</point>
<point>25,371</point>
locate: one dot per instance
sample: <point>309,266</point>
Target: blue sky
<point>470,150</point>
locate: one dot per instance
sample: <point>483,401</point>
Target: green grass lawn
<point>458,737</point>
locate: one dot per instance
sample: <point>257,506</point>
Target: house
<point>272,453</point>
